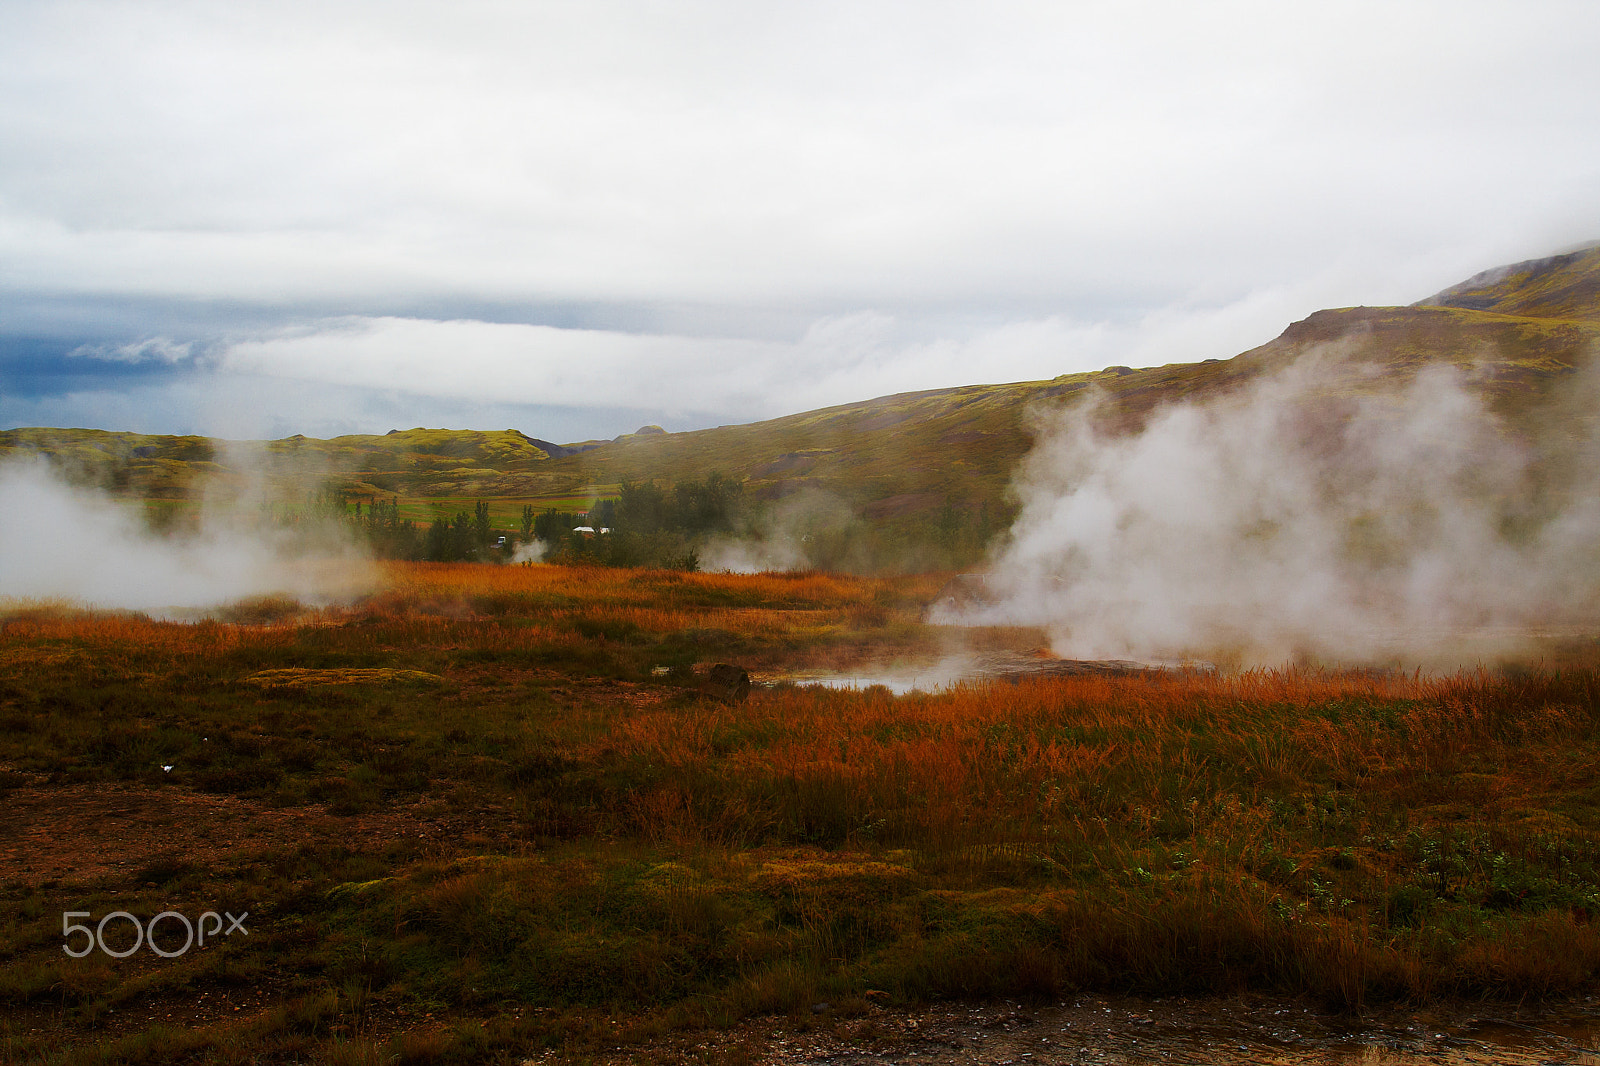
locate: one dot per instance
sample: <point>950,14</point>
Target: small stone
<point>728,682</point>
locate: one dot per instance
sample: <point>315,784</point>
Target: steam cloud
<point>62,543</point>
<point>529,551</point>
<point>1300,520</point>
<point>783,535</point>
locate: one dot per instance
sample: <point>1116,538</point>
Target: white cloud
<point>853,154</point>
<point>837,360</point>
<point>1094,180</point>
<point>149,350</point>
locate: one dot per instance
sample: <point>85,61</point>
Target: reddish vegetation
<point>488,790</point>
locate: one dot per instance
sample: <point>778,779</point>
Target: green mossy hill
<point>499,450</point>
<point>425,462</point>
<point>153,467</point>
<point>1518,362</point>
<point>1557,286</point>
<point>413,462</point>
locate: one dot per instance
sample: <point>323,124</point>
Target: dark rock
<point>728,682</point>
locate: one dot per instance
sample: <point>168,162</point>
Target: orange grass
<point>1037,756</point>
<point>612,585</point>
<point>1349,835</point>
<point>424,610</point>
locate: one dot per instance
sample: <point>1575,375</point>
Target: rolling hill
<point>905,456</point>
<point>900,461</point>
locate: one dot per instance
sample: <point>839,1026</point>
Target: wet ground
<point>1013,666</point>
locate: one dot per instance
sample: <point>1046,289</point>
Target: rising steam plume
<point>1311,515</point>
<point>63,543</point>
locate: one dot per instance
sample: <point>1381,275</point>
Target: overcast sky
<point>574,218</point>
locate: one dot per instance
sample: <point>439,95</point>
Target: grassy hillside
<point>413,462</point>
<point>903,458</point>
<point>906,462</point>
<point>1558,286</point>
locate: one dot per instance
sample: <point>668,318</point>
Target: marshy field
<point>502,814</point>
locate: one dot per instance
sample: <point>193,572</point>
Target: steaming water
<point>898,685</point>
<point>956,670</point>
<point>897,678</point>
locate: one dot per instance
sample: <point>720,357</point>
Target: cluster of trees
<point>385,532</point>
<point>647,524</point>
<point>668,526</point>
<point>463,537</point>
<point>550,526</point>
<point>378,525</point>
<point>690,508</point>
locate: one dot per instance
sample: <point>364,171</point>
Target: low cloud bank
<point>64,543</point>
<point>1296,519</point>
<point>721,379</point>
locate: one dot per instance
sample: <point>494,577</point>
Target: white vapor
<point>64,543</point>
<point>529,551</point>
<point>782,537</point>
<point>1295,520</point>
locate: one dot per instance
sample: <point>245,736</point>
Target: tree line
<point>668,526</point>
<point>645,525</point>
<point>376,524</point>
